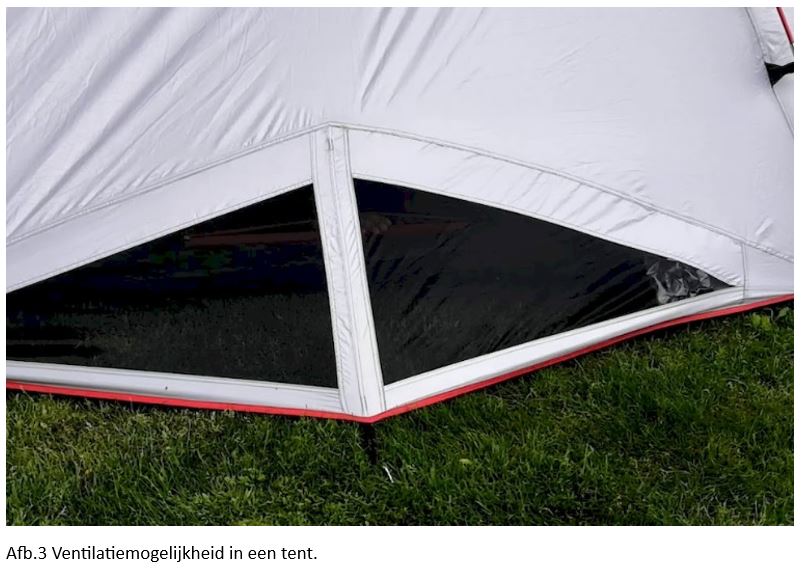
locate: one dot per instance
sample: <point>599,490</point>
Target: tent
<point>351,213</point>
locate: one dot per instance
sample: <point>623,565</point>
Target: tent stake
<point>369,441</point>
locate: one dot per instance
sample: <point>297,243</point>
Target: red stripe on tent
<point>176,402</point>
<point>786,25</point>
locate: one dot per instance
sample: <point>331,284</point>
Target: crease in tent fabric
<point>443,396</point>
<point>719,274</point>
<point>430,141</point>
<point>123,114</point>
<point>371,40</point>
<point>482,359</point>
<point>450,56</point>
<point>378,63</point>
<point>108,72</point>
<point>330,283</point>
<point>427,40</point>
<point>157,235</point>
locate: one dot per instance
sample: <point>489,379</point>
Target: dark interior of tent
<point>245,295</point>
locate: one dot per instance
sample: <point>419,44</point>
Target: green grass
<point>689,426</point>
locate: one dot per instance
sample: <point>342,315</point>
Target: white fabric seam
<point>366,292</point>
<point>314,156</point>
<point>345,275</point>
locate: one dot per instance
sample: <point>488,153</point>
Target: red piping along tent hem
<point>178,402</point>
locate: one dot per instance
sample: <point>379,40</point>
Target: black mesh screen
<point>450,280</point>
<point>242,296</point>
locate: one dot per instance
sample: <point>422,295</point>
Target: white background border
<point>499,550</point>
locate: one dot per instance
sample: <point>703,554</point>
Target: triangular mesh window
<point>241,296</point>
<point>451,279</point>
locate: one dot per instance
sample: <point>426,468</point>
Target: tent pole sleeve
<point>358,367</point>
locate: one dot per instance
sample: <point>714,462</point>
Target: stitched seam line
<point>364,277</point>
<point>340,364</point>
<point>345,269</point>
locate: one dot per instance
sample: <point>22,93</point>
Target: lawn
<point>693,425</point>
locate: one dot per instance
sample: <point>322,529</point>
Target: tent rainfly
<point>351,213</point>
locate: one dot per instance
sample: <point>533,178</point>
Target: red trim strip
<point>786,25</point>
<point>176,402</point>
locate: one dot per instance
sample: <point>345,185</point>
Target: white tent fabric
<point>656,129</point>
